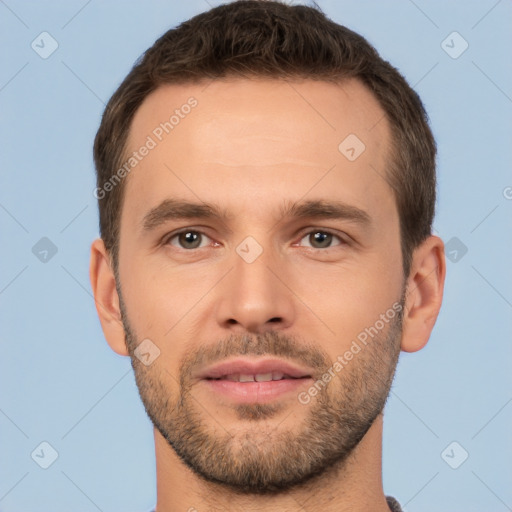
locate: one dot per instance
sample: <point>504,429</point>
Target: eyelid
<point>342,237</point>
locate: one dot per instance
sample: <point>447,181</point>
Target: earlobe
<point>424,293</point>
<point>106,297</point>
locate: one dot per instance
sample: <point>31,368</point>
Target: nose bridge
<point>253,298</point>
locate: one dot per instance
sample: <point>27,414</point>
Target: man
<point>266,187</point>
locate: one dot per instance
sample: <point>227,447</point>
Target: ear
<point>424,293</point>
<point>106,297</point>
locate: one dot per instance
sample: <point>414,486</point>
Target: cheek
<point>345,300</point>
<point>165,300</point>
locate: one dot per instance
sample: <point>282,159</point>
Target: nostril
<point>275,319</point>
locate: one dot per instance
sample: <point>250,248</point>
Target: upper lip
<point>252,367</point>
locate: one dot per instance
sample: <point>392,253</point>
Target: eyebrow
<point>326,209</point>
<point>174,209</point>
<point>171,209</point>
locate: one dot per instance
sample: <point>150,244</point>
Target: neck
<point>357,486</point>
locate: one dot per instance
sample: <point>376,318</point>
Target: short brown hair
<point>249,38</point>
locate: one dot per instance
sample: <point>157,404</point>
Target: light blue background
<point>61,383</point>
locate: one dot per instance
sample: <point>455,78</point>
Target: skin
<point>249,147</point>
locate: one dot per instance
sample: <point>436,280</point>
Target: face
<point>260,260</point>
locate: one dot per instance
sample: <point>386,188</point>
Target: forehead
<point>322,111</point>
<point>248,137</point>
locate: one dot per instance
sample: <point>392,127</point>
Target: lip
<point>253,367</point>
<point>254,392</point>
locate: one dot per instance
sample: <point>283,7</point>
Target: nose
<point>254,297</point>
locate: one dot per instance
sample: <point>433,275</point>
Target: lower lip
<point>256,392</point>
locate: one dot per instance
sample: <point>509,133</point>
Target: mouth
<point>257,377</point>
<point>254,381</point>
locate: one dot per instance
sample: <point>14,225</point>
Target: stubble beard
<point>265,457</point>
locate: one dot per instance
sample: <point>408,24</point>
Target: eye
<point>188,239</point>
<point>321,239</point>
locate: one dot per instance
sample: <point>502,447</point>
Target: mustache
<point>270,343</point>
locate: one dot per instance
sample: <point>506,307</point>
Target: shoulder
<point>393,505</point>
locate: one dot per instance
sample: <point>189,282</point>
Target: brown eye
<point>321,239</point>
<point>187,239</point>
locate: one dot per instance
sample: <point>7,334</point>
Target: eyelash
<point>167,240</point>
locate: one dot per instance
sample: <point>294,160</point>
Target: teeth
<point>259,377</point>
<point>263,377</point>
